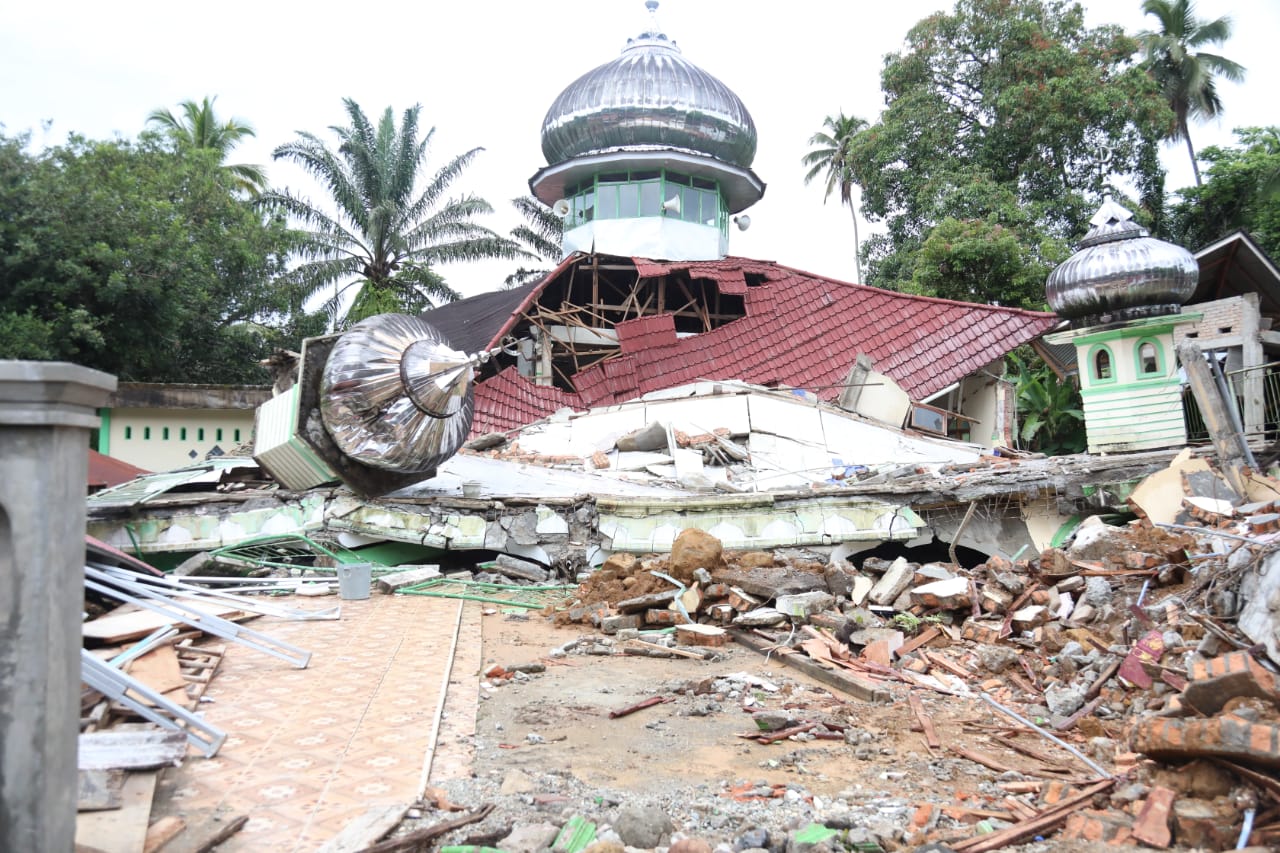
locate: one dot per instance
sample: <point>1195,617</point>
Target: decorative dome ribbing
<point>1121,273</point>
<point>649,97</point>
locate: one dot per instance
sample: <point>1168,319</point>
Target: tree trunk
<point>857,249</point>
<point>1195,167</point>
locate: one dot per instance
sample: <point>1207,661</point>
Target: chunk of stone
<point>995,598</point>
<point>1030,617</point>
<point>649,437</point>
<point>893,583</point>
<point>761,617</point>
<point>642,826</point>
<point>518,782</point>
<point>530,838</point>
<point>950,594</point>
<point>996,658</point>
<point>1064,699</point>
<point>514,567</point>
<point>1097,592</point>
<point>805,604</point>
<point>694,549</point>
<point>930,572</point>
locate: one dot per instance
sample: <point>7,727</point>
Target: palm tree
<point>540,236</point>
<point>386,234</point>
<point>199,127</point>
<point>833,156</point>
<point>1186,75</point>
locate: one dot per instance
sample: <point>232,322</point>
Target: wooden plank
<point>855,687</point>
<point>118,626</point>
<point>130,750</point>
<point>367,829</point>
<point>923,638</point>
<point>99,790</point>
<point>162,832</point>
<point>158,669</point>
<point>926,723</point>
<point>1048,819</point>
<point>122,830</point>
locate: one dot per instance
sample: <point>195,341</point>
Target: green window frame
<point>217,434</point>
<point>182,433</point>
<point>128,433</point>
<point>146,433</point>
<point>200,434</point>
<point>1141,362</point>
<point>164,433</point>
<point>1102,365</point>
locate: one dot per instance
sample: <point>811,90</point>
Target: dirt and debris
<point>1099,694</point>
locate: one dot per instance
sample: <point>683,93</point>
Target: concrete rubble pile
<point>1126,641</point>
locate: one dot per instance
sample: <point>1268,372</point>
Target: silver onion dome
<point>1120,273</point>
<point>649,97</point>
<point>394,394</point>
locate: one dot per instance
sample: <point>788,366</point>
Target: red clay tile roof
<point>800,329</point>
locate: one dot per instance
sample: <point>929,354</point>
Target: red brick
<point>1152,825</point>
<point>1229,737</point>
<point>1097,826</point>
<point>1216,681</point>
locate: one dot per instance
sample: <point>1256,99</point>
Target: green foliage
<point>386,234</point>
<point>140,261</point>
<point>1008,116</point>
<point>831,158</point>
<point>199,127</point>
<point>1049,409</point>
<point>1185,74</point>
<point>541,237</point>
<point>1239,193</point>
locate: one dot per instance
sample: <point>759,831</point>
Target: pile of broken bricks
<point>1124,641</point>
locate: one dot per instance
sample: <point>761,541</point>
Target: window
<point>128,433</point>
<point>146,433</point>
<point>164,433</point>
<point>237,435</point>
<point>182,433</point>
<point>1149,359</point>
<point>218,434</point>
<point>1103,370</point>
<point>200,434</point>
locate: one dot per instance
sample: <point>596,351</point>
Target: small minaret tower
<point>649,156</point>
<point>1122,292</point>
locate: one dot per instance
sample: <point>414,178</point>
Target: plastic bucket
<point>354,580</point>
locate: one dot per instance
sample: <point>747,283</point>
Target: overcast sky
<point>485,72</point>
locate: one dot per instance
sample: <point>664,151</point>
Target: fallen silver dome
<point>395,395</point>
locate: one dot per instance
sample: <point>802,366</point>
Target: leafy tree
<point>1238,194</point>
<point>386,235</point>
<point>1009,115</point>
<point>1050,413</point>
<point>199,127</point>
<point>1184,73</point>
<point>540,236</point>
<point>831,157</point>
<point>134,259</point>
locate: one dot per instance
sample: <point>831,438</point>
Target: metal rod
<point>1247,829</point>
<point>240,602</point>
<point>146,644</point>
<point>1205,531</point>
<point>121,687</point>
<point>1049,735</point>
<point>189,614</point>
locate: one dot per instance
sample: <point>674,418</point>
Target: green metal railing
<point>1198,431</point>
<point>287,552</point>
<point>528,597</point>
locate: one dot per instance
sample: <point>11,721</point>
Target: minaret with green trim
<point>1122,292</point>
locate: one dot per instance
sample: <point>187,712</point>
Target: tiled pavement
<point>310,749</point>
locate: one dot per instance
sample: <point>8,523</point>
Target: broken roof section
<point>601,330</point>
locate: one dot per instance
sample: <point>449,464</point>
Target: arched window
<point>1103,368</point>
<point>1149,358</point>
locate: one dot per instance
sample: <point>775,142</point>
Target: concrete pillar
<point>46,412</point>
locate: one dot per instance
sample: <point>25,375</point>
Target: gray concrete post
<point>46,412</point>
